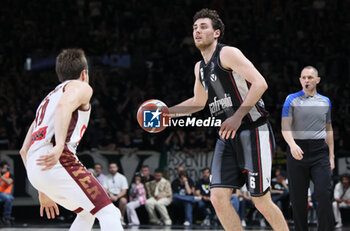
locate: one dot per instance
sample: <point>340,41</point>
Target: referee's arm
<point>330,142</point>
<point>295,150</point>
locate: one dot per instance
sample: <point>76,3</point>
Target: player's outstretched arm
<point>194,104</point>
<point>233,59</point>
<point>77,94</point>
<point>26,145</point>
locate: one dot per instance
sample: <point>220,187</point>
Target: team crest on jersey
<point>261,103</point>
<point>213,77</point>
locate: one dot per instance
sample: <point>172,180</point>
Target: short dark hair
<point>345,175</point>
<point>215,19</point>
<point>70,63</point>
<point>182,173</point>
<point>158,170</point>
<point>113,163</point>
<point>205,169</point>
<point>3,163</point>
<point>98,164</point>
<point>144,166</point>
<point>283,173</point>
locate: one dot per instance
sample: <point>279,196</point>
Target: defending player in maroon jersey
<point>49,149</point>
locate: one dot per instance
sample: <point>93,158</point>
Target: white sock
<point>83,221</point>
<point>109,218</point>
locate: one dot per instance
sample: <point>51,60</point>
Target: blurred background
<point>143,49</point>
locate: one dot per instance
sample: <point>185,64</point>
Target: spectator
<point>6,184</point>
<point>116,186</point>
<point>175,141</point>
<point>145,174</point>
<point>341,198</point>
<point>183,188</point>
<point>235,199</point>
<point>245,201</point>
<point>98,173</point>
<point>159,196</point>
<point>280,192</point>
<point>203,190</point>
<point>137,197</point>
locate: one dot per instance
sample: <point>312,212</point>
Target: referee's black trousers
<point>314,166</point>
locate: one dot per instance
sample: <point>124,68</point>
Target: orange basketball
<point>153,116</point>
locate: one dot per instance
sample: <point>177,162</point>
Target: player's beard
<point>204,45</point>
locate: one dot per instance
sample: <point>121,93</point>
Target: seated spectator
<point>341,198</point>
<point>145,174</point>
<point>203,190</point>
<point>183,188</point>
<point>137,197</point>
<point>116,186</point>
<point>235,199</point>
<point>98,173</point>
<point>6,183</point>
<point>280,192</point>
<point>245,201</point>
<point>159,196</point>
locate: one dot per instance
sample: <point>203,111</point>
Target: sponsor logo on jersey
<point>213,77</point>
<point>151,118</point>
<point>38,135</point>
<point>220,104</point>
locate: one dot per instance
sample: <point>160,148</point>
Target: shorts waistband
<point>259,122</point>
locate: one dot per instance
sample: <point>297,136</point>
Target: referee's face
<point>308,79</point>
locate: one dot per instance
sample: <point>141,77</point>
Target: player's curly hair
<point>70,63</point>
<point>215,18</point>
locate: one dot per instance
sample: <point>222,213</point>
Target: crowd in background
<point>279,37</point>
<point>153,199</point>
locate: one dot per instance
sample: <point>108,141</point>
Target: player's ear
<point>84,75</point>
<point>217,33</point>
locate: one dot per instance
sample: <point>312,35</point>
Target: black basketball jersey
<point>226,90</point>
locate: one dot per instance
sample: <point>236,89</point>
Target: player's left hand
<point>331,160</point>
<point>50,160</point>
<point>229,127</point>
<point>49,205</point>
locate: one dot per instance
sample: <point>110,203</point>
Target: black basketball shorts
<point>246,159</point>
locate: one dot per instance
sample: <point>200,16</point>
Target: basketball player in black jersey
<point>231,86</point>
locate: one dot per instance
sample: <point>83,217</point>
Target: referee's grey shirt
<point>309,115</point>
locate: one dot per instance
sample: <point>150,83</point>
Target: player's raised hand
<point>229,127</point>
<point>50,160</point>
<point>49,205</point>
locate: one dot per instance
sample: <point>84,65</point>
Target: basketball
<point>153,116</point>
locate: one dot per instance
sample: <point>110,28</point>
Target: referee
<point>307,128</point>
